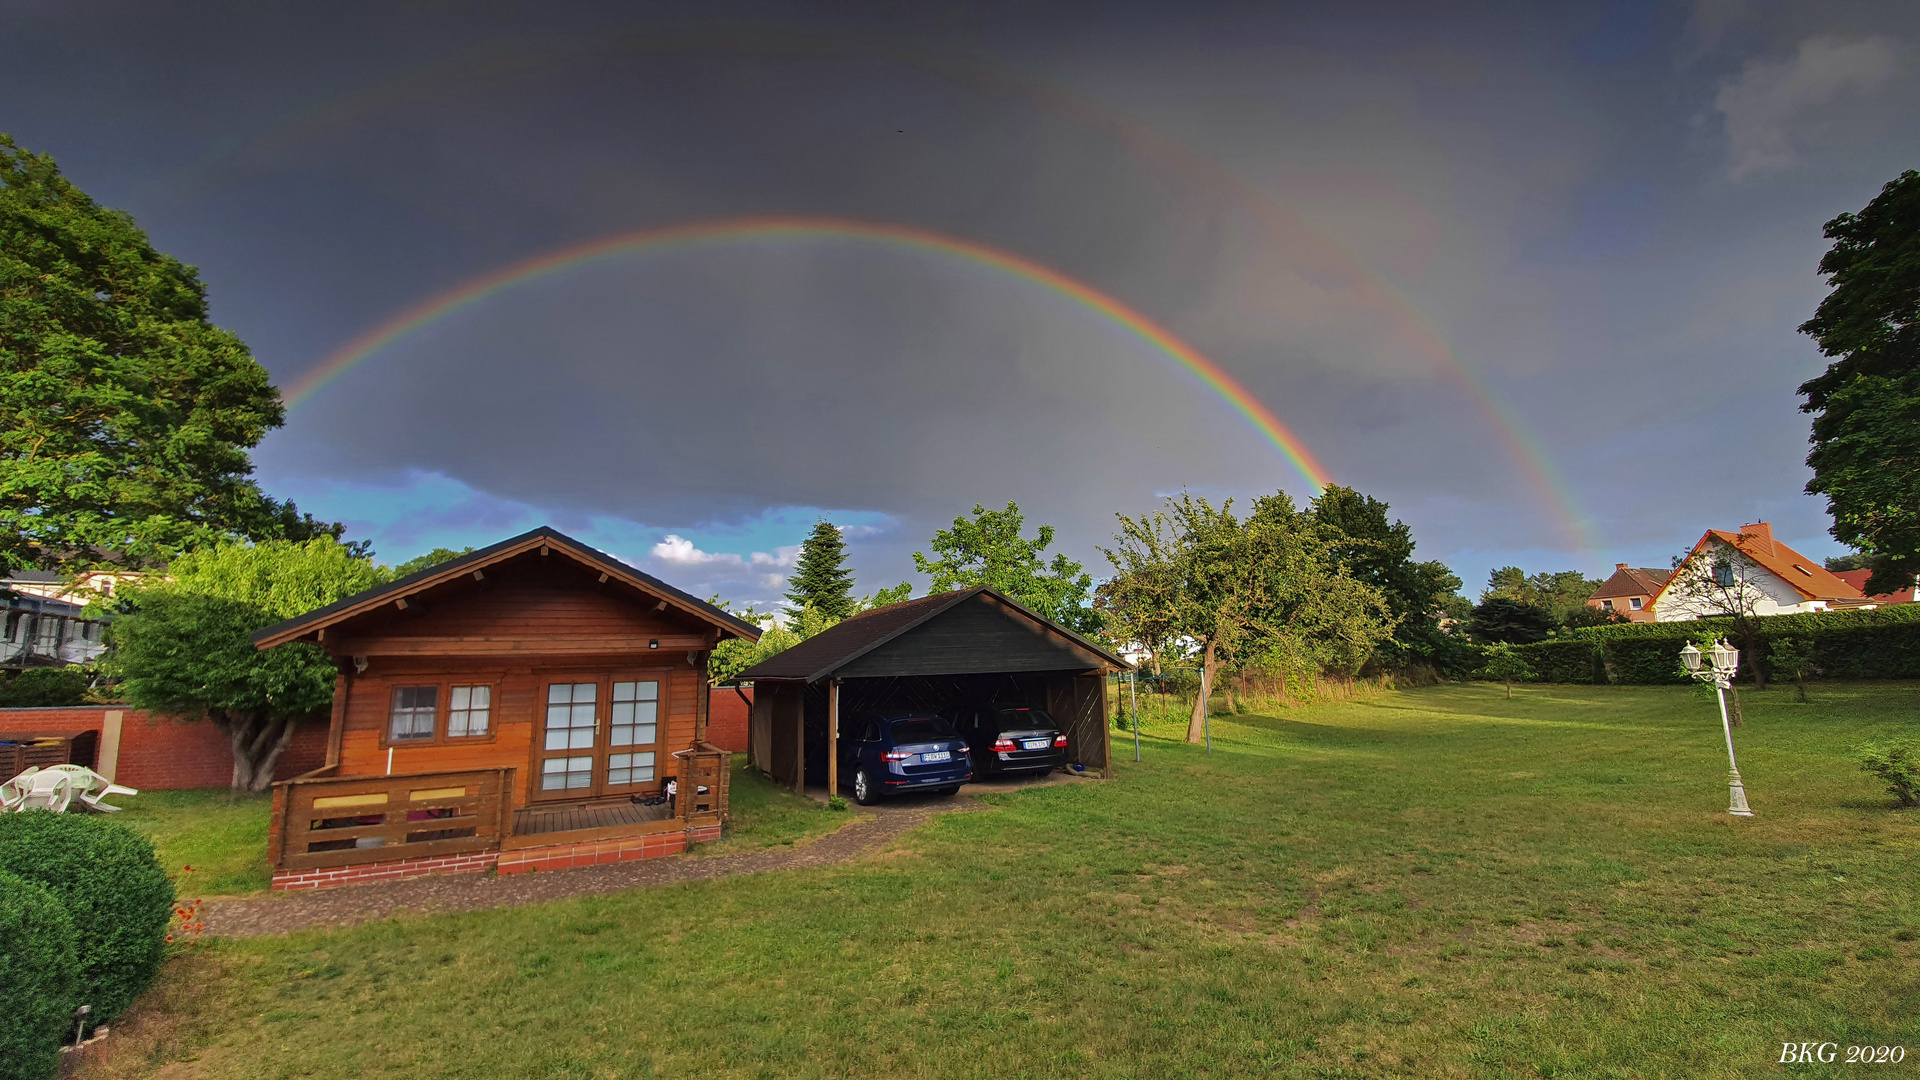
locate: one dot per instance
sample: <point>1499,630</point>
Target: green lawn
<point>1436,883</point>
<point>224,839</point>
<point>764,814</point>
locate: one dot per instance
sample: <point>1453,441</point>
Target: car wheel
<point>863,792</point>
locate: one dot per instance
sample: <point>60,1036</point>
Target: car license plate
<point>1037,744</point>
<point>937,755</point>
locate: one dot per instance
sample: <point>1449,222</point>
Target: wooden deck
<point>572,817</point>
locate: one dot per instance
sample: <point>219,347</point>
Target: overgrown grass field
<point>1436,883</point>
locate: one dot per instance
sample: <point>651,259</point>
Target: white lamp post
<point>1725,661</point>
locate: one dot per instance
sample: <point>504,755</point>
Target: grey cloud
<point>1766,105</point>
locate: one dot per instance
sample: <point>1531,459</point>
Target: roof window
<point>1803,569</point>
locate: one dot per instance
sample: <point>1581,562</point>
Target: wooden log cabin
<point>523,707</point>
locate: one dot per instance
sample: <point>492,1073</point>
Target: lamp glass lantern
<point>1725,657</point>
<point>1690,657</point>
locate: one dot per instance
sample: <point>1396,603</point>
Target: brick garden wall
<point>727,718</point>
<point>162,754</point>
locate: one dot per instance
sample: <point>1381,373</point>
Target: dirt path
<point>331,908</point>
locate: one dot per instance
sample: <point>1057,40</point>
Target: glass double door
<point>598,737</point>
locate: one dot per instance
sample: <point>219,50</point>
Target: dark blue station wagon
<point>890,753</point>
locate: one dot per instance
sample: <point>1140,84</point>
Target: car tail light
<point>963,750</point>
<point>1003,744</point>
<point>1059,741</point>
<point>895,755</point>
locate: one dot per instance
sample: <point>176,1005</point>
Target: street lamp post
<point>1724,660</point>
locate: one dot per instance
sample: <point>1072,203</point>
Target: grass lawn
<point>764,814</point>
<point>1436,883</point>
<point>223,838</point>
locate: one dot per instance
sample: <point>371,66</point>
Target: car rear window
<point>920,730</point>
<point>1026,718</point>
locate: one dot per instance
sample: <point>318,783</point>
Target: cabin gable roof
<point>544,538</point>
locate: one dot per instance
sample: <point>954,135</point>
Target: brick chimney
<point>1619,566</point>
<point>1759,535</point>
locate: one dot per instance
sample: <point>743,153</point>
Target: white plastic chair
<point>48,790</point>
<point>90,787</point>
<point>14,791</point>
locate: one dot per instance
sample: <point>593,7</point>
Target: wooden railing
<point>344,820</point>
<point>705,770</point>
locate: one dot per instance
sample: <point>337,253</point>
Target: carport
<point>974,646</point>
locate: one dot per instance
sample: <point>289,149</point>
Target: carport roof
<point>839,645</point>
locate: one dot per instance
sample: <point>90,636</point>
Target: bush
<point>37,961</point>
<point>46,688</point>
<point>1880,644</point>
<point>106,877</point>
<point>1897,763</point>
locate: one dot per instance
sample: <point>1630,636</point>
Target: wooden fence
<point>341,821</point>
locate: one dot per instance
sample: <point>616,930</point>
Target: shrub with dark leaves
<point>106,877</point>
<point>37,961</point>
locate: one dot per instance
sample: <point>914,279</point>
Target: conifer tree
<point>821,579</point>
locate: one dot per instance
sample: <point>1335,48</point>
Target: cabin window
<point>468,709</point>
<point>1606,605</point>
<point>629,768</point>
<point>570,720</point>
<point>414,708</point>
<point>563,773</point>
<point>636,717</point>
<point>1635,602</point>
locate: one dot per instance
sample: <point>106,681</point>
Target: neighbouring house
<point>1630,592</point>
<point>970,646</point>
<point>44,632</point>
<point>522,707</point>
<point>1766,574</point>
<point>1859,578</point>
<point>82,588</point>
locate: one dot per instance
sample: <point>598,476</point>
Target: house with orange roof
<point>1859,578</point>
<point>1767,574</point>
<point>1630,592</point>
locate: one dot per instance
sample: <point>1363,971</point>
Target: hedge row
<point>84,891</point>
<point>1880,644</point>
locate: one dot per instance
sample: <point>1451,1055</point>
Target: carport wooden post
<point>800,744</point>
<point>833,738</point>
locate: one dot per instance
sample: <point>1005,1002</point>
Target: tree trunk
<point>1509,689</point>
<point>1197,725</point>
<point>258,741</point>
<point>1800,680</point>
<point>1733,695</point>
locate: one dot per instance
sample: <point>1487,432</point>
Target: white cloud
<point>1762,105</point>
<point>679,551</point>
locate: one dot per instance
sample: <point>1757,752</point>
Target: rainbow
<point>704,233</point>
<point>1416,333</point>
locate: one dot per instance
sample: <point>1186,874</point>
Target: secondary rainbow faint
<point>733,230</point>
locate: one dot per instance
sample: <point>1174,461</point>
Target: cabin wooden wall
<point>519,699</point>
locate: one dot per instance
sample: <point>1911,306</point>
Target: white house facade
<point>1754,571</point>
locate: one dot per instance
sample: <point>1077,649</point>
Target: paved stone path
<point>870,830</point>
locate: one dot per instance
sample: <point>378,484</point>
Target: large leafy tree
<point>184,646</point>
<point>125,415</point>
<point>988,549</point>
<point>1381,555</point>
<point>820,578</point>
<point>1866,405</point>
<point>1270,588</point>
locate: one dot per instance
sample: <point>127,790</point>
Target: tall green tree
<point>1866,405</point>
<point>820,578</point>
<point>1381,555</point>
<point>125,415</point>
<point>1562,594</point>
<point>185,647</point>
<point>988,549</point>
<point>1269,587</point>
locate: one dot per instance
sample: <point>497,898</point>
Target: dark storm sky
<point>1395,224</point>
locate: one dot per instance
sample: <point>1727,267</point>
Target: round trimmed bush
<point>37,961</point>
<point>106,877</point>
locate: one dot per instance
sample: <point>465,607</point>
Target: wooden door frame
<point>603,678</point>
